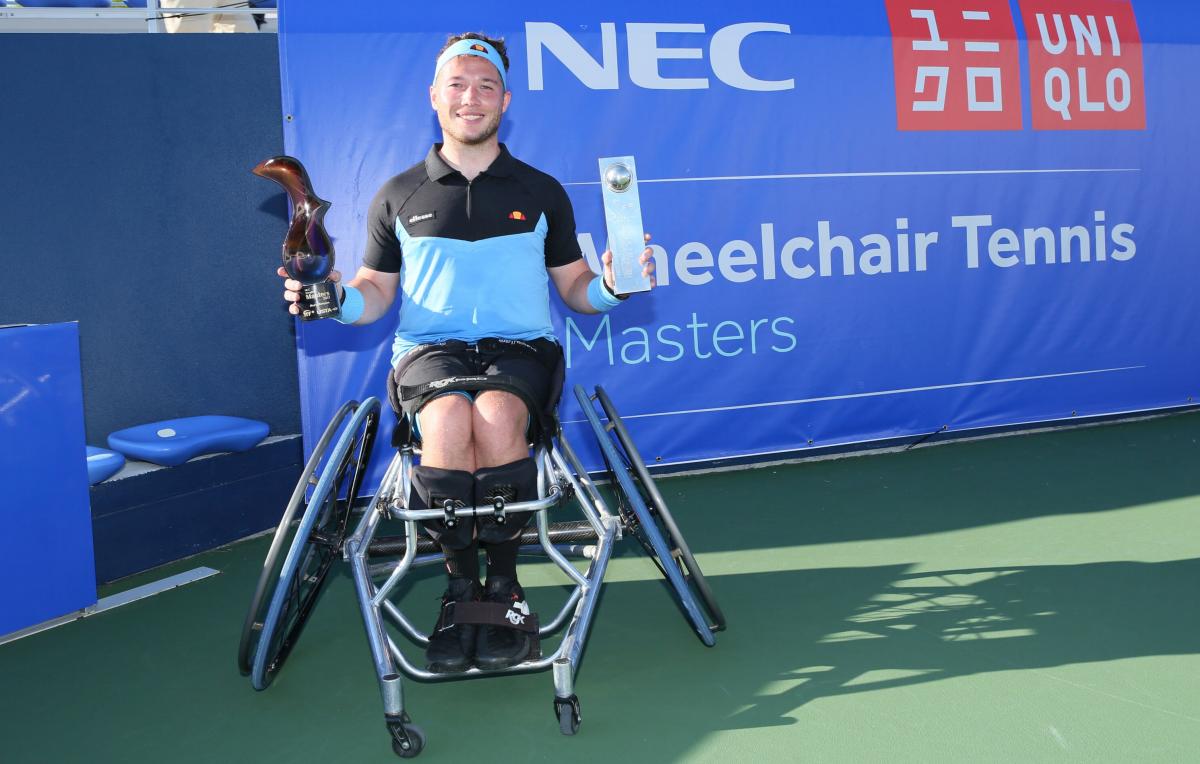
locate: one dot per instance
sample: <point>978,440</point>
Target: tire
<point>282,540</point>
<point>284,601</point>
<point>642,523</point>
<point>567,711</point>
<point>681,554</point>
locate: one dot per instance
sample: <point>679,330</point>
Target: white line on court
<point>890,174</point>
<point>874,393</point>
<point>116,600</point>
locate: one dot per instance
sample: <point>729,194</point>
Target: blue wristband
<point>352,305</point>
<point>600,298</point>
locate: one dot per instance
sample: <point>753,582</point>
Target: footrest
<point>173,441</point>
<point>102,464</point>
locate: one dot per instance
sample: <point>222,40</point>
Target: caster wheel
<point>567,711</point>
<point>416,741</point>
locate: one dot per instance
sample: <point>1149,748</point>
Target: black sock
<point>502,558</point>
<point>462,563</point>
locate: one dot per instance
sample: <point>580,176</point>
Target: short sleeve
<point>382,252</point>
<point>562,246</point>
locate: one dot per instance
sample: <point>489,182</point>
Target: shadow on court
<point>866,629</point>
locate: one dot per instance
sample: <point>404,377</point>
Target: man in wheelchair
<point>470,238</point>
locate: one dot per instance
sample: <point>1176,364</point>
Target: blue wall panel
<point>129,207</point>
<point>757,357</point>
<point>46,548</point>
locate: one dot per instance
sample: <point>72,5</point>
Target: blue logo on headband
<point>472,48</point>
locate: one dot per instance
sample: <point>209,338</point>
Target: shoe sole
<point>495,664</point>
<point>448,668</point>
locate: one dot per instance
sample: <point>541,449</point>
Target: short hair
<point>495,42</point>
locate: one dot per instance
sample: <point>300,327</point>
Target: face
<point>469,98</point>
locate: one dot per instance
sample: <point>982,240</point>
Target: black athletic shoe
<point>451,647</point>
<point>497,647</point>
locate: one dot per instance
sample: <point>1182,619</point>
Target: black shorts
<point>537,364</point>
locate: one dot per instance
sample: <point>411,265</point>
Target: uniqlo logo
<point>956,65</point>
<point>1085,65</point>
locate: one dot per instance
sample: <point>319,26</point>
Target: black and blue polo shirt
<point>472,255</point>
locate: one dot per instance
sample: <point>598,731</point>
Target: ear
<point>433,96</point>
<point>507,98</point>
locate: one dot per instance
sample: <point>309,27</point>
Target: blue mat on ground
<point>102,464</point>
<point>174,441</point>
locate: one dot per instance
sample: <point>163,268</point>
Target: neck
<point>467,159</point>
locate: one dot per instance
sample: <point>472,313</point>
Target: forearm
<point>375,301</point>
<point>577,295</point>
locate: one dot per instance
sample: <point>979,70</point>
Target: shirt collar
<point>437,168</point>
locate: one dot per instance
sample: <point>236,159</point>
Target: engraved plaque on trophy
<point>307,249</point>
<point>623,216</point>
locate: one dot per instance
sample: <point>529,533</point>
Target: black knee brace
<point>516,481</point>
<point>431,488</point>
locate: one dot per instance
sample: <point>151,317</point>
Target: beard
<point>490,126</point>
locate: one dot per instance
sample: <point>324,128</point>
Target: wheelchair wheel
<point>638,519</point>
<point>315,544</point>
<point>680,553</point>
<point>283,537</point>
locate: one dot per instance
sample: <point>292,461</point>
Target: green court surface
<point>1025,598</point>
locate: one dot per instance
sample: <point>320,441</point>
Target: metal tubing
<point>581,474</point>
<point>393,694</point>
<point>582,551</point>
<point>587,607</point>
<point>360,530</point>
<point>564,679</point>
<point>553,554</point>
<point>376,636</point>
<point>480,510</point>
<point>563,614</point>
<point>410,552</point>
<point>386,568</point>
<point>407,626</point>
<point>582,495</point>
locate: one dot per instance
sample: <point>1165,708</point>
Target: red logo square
<point>956,65</point>
<point>1085,65</point>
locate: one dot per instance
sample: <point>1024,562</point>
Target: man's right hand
<point>291,289</point>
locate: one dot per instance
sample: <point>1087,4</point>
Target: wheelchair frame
<point>271,628</point>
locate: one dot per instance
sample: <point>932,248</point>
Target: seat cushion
<point>174,441</point>
<point>102,464</point>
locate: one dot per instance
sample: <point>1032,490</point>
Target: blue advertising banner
<point>870,219</point>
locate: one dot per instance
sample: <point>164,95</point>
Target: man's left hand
<point>647,261</point>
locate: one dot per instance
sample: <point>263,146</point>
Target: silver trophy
<point>623,216</point>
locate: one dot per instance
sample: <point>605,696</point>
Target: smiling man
<point>471,238</point>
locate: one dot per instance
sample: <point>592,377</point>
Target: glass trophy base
<point>319,301</point>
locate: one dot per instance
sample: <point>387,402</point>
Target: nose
<point>471,95</point>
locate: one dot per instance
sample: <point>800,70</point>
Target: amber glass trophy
<point>307,250</point>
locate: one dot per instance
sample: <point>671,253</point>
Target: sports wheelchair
<point>325,520</point>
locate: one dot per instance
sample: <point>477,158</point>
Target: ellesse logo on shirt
<point>422,217</point>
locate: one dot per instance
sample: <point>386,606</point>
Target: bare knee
<point>499,425</point>
<point>447,433</point>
